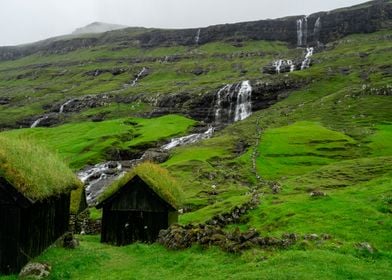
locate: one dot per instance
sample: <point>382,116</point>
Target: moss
<point>78,200</point>
<point>33,171</point>
<point>156,177</point>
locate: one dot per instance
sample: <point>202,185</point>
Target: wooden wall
<point>26,232</point>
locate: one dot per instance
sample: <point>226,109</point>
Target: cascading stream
<point>134,82</point>
<point>197,37</point>
<point>233,103</point>
<point>307,60</point>
<point>98,177</point>
<point>38,121</point>
<point>243,107</point>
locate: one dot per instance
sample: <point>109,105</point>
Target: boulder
<point>35,271</point>
<point>199,71</point>
<point>69,241</point>
<point>366,247</point>
<point>318,194</point>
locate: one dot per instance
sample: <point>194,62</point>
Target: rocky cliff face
<point>317,28</point>
<point>204,107</point>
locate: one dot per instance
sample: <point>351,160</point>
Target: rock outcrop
<point>202,106</point>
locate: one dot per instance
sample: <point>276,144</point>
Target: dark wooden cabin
<point>28,227</point>
<point>35,189</point>
<point>135,212</point>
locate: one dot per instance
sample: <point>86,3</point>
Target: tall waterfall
<point>243,108</point>
<point>197,37</point>
<point>317,29</point>
<point>233,103</point>
<point>307,60</point>
<point>302,31</point>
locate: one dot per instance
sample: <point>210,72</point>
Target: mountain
<point>279,131</point>
<point>365,18</point>
<point>98,27</point>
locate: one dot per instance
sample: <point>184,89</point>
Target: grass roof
<point>156,177</point>
<point>33,171</point>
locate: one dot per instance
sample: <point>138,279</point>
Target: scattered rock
<point>156,155</point>
<point>290,236</point>
<point>326,236</point>
<point>276,188</point>
<point>363,55</point>
<point>241,147</point>
<point>318,194</point>
<point>5,100</point>
<point>345,70</point>
<point>35,271</point>
<point>114,72</point>
<point>181,237</point>
<point>365,246</point>
<point>69,241</point>
<point>311,236</point>
<point>199,71</point>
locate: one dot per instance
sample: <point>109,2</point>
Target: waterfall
<point>244,102</point>
<point>37,122</point>
<point>291,64</point>
<point>233,103</point>
<point>307,60</point>
<point>197,38</point>
<point>218,108</point>
<point>283,66</point>
<point>278,64</point>
<point>302,31</point>
<point>65,104</point>
<point>138,76</point>
<point>317,29</point>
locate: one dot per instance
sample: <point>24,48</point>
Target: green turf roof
<point>33,171</point>
<point>156,177</point>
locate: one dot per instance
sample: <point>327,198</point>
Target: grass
<point>156,177</point>
<point>92,260</point>
<point>33,170</point>
<point>301,147</point>
<point>356,213</point>
<point>86,143</point>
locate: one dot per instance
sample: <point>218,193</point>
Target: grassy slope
<point>29,76</point>
<point>89,143</point>
<point>331,136</point>
<point>93,260</point>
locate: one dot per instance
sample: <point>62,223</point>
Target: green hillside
<point>332,135</point>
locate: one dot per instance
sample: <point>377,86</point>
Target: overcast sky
<point>23,21</point>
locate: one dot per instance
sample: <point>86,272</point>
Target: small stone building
<point>139,205</point>
<point>34,202</point>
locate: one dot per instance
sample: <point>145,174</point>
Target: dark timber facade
<point>135,213</point>
<point>27,227</point>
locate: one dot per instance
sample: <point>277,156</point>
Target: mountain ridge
<point>364,18</point>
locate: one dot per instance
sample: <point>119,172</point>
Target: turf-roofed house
<point>139,205</point>
<point>35,189</point>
